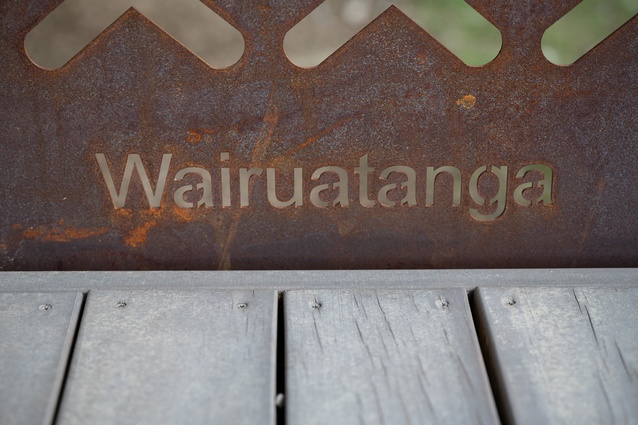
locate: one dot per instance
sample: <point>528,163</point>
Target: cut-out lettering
<point>135,162</point>
<point>395,186</point>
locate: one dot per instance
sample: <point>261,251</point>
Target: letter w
<point>134,161</point>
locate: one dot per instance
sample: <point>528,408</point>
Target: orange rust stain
<point>16,226</point>
<point>125,217</point>
<point>265,135</point>
<point>225,264</point>
<point>138,235</point>
<point>152,213</point>
<point>422,58</point>
<point>271,118</point>
<point>123,212</point>
<point>62,234</point>
<point>194,137</point>
<point>316,137</point>
<point>468,101</point>
<point>184,214</point>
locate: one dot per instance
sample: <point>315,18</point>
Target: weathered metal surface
<point>392,93</point>
<point>169,357</point>
<point>563,355</point>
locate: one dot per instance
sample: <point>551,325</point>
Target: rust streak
<point>265,135</point>
<point>183,214</point>
<point>194,135</point>
<point>591,216</point>
<point>316,137</point>
<point>123,212</point>
<point>138,235</point>
<point>261,145</point>
<point>62,234</point>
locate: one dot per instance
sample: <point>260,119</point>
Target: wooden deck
<point>351,347</point>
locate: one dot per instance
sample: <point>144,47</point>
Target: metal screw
<point>442,304</point>
<point>509,301</point>
<point>315,305</point>
<point>241,306</point>
<point>120,304</point>
<point>46,307</point>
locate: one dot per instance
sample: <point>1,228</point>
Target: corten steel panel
<point>392,93</point>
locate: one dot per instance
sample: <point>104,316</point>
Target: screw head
<point>45,307</point>
<point>508,300</point>
<point>241,306</point>
<point>120,304</point>
<point>442,303</point>
<point>316,305</point>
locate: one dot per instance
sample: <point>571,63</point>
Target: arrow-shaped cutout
<point>584,27</point>
<point>454,23</point>
<point>75,23</point>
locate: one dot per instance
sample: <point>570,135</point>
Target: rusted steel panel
<point>392,96</point>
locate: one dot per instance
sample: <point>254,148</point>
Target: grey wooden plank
<point>173,357</point>
<point>383,357</point>
<point>36,336</point>
<point>314,279</point>
<point>563,355</point>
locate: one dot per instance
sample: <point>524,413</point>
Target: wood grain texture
<point>174,357</point>
<point>383,357</point>
<point>36,335</point>
<point>564,356</point>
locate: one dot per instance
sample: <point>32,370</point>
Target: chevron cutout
<point>312,40</point>
<point>51,45</point>
<point>588,24</point>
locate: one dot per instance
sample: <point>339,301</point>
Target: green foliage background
<point>576,33</point>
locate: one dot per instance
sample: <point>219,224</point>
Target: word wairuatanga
<point>338,187</point>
